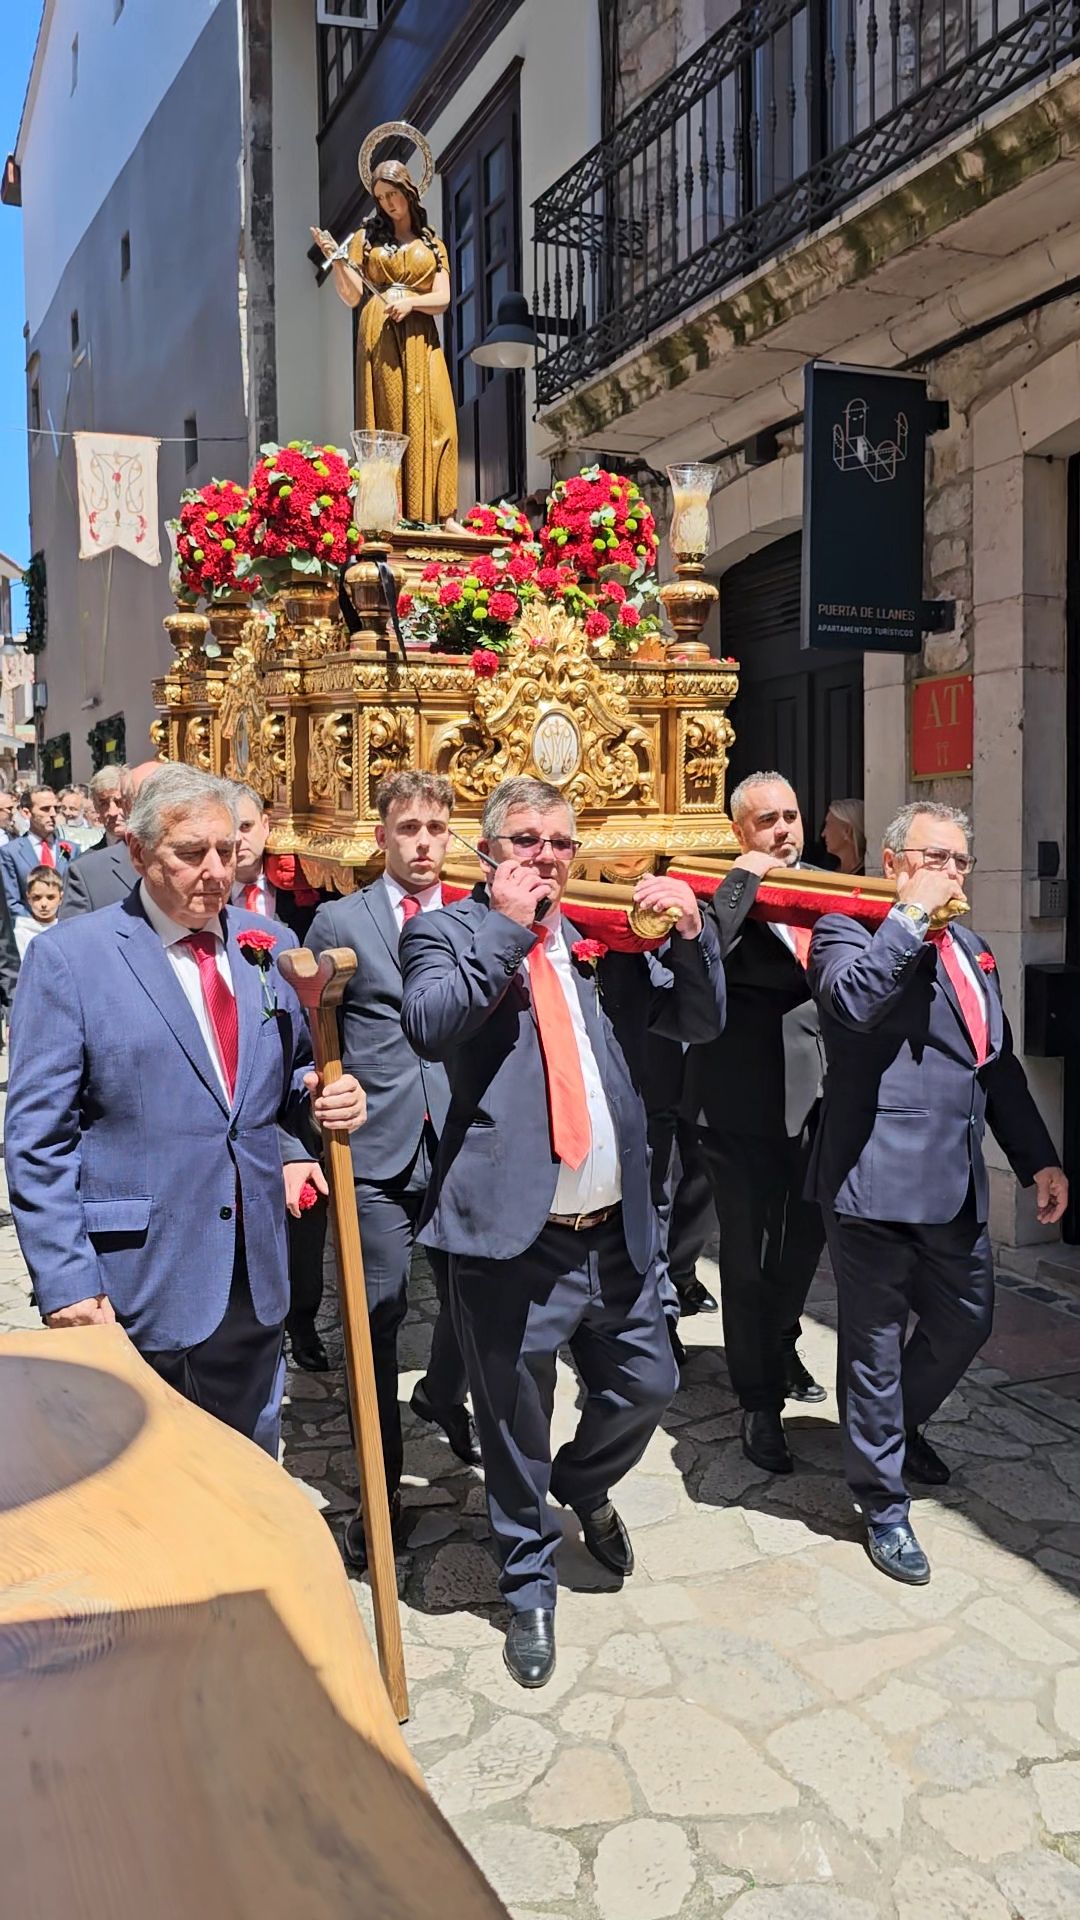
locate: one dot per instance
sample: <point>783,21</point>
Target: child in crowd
<point>44,892</point>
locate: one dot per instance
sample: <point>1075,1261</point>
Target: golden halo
<point>390,130</point>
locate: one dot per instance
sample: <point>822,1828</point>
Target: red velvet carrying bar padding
<point>608,924</point>
<point>796,906</point>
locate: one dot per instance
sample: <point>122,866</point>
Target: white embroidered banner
<point>118,495</point>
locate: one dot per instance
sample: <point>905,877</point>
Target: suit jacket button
<point>225,1213</point>
<point>232,1133</point>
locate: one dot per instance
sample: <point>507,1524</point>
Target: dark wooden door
<point>797,713</point>
<point>482,193</point>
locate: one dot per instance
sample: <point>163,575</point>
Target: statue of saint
<point>397,265</point>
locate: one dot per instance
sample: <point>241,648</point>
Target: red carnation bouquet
<point>472,608</point>
<point>210,538</point>
<point>300,506</point>
<point>502,520</point>
<point>597,520</point>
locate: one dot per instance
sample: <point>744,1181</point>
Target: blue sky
<point>20,23</point>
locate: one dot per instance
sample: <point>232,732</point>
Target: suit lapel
<point>250,1011</point>
<point>377,901</point>
<point>152,968</point>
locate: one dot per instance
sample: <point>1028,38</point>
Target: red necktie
<point>219,1001</point>
<point>568,1107</point>
<point>47,857</point>
<point>410,905</point>
<point>971,1005</point>
<point>251,897</point>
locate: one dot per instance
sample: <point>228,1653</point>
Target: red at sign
<point>942,726</point>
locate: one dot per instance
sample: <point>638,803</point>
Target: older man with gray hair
<point>920,1059</point>
<point>155,1055</point>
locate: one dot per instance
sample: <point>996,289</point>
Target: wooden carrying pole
<point>319,984</point>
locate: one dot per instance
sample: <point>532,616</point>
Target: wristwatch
<point>918,916</point>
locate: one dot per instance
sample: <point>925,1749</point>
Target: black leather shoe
<point>895,1551</point>
<point>529,1649</point>
<point>799,1383</point>
<point>922,1462</point>
<point>354,1542</point>
<point>695,1298</point>
<point>455,1422</point>
<point>607,1539</point>
<point>763,1441</point>
<point>677,1348</point>
<point>309,1353</point>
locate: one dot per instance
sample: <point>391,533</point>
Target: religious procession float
<point>336,623</point>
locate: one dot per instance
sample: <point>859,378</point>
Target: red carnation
<point>484,663</point>
<point>450,593</point>
<point>588,952</point>
<point>307,1197</point>
<point>629,617</point>
<point>596,625</point>
<point>521,567</point>
<point>254,940</point>
<point>485,571</point>
<point>612,590</point>
<point>405,603</point>
<point>432,570</point>
<point>503,607</point>
<point>986,962</point>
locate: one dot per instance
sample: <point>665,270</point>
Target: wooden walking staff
<point>319,985</point>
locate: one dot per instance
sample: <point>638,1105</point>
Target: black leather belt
<point>581,1222</point>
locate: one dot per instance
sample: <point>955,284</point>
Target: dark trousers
<point>770,1244</point>
<point>581,1290</point>
<point>389,1211</point>
<point>307,1245</point>
<point>885,1272</point>
<point>682,1196</point>
<point>238,1372</point>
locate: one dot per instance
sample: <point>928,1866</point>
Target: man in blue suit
<point>540,1192</point>
<point>40,846</point>
<point>153,1061</point>
<point>919,1059</point>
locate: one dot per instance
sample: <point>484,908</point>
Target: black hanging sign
<point>863,486</point>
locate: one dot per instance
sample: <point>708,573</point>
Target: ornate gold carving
<point>651,925</point>
<point>390,739</point>
<point>159,738</point>
<point>548,670</point>
<point>704,739</point>
<point>243,717</point>
<point>330,755</point>
<point>197,743</point>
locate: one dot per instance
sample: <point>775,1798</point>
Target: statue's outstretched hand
<point>324,241</point>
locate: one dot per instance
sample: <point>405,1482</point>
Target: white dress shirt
<point>430,899</point>
<point>186,968</point>
<point>265,900</point>
<point>598,1181</point>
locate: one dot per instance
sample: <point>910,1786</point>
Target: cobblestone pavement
<point>756,1724</point>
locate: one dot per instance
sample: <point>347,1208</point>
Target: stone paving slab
<point>756,1724</point>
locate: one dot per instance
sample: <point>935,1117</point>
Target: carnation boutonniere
<point>986,963</point>
<point>256,947</point>
<point>66,848</point>
<point>588,953</point>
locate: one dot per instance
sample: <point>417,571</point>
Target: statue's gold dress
<point>402,381</point>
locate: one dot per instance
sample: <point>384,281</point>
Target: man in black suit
<point>104,875</point>
<point>406,1105</point>
<point>756,1091</point>
<point>540,1193</point>
<point>920,1061</point>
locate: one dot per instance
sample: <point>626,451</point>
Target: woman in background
<point>844,834</point>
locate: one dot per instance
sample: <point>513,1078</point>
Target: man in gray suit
<point>406,1105</point>
<point>540,1193</point>
<point>104,876</point>
<point>920,1058</point>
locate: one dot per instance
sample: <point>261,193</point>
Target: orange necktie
<point>802,937</point>
<point>568,1108</point>
<point>970,1002</point>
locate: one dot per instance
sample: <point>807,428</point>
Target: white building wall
<point>73,144</point>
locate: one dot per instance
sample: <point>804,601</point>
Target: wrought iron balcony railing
<point>784,117</point>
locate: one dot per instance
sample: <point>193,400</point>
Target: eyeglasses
<point>938,858</point>
<point>561,845</point>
